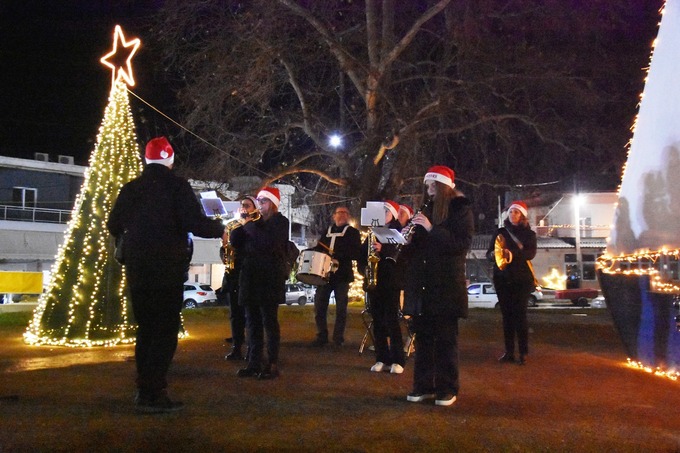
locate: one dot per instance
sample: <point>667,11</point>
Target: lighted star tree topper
<point>87,301</point>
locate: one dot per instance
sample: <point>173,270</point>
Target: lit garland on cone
<point>86,302</point>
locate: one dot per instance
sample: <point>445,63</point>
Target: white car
<point>598,302</point>
<point>483,295</point>
<point>299,294</point>
<point>198,294</point>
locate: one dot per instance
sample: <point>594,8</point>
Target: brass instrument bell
<point>500,252</point>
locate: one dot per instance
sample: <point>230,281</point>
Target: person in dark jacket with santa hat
<point>383,299</point>
<point>435,294</point>
<point>513,278</point>
<point>155,214</point>
<point>262,282</point>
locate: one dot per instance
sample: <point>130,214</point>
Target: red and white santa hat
<point>520,206</point>
<point>407,208</point>
<point>441,174</point>
<point>393,207</point>
<point>271,193</point>
<point>159,151</point>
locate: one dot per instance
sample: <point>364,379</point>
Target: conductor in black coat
<point>155,213</point>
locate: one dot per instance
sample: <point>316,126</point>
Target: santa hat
<point>442,174</point>
<point>159,151</point>
<point>392,207</point>
<point>520,206</point>
<point>251,198</point>
<point>408,209</point>
<point>271,193</point>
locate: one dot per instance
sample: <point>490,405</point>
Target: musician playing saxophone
<point>343,242</point>
<point>384,300</point>
<point>230,286</point>
<point>435,294</point>
<point>516,280</point>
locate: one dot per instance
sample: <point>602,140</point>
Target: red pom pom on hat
<point>441,174</point>
<point>159,151</point>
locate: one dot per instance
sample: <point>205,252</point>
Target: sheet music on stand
<point>386,235</point>
<point>213,207</point>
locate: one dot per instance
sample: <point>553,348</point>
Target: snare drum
<point>314,267</point>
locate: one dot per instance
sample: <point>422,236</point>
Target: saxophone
<point>227,251</point>
<point>372,266</point>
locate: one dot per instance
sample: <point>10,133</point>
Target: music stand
<point>368,323</point>
<point>213,207</point>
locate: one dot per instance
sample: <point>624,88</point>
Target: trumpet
<point>372,266</point>
<point>227,251</point>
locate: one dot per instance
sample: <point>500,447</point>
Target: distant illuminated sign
<point>121,70</point>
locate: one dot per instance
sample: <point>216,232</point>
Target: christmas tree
<point>86,302</point>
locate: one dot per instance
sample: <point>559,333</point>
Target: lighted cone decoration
<point>86,302</point>
<point>639,276</point>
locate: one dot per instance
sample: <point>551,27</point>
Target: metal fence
<point>44,215</point>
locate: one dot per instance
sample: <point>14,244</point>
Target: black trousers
<point>384,309</point>
<point>321,301</point>
<point>515,324</point>
<point>156,289</point>
<point>237,313</point>
<point>436,358</point>
<point>261,319</point>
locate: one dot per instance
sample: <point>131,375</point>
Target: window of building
<point>25,197</point>
<point>588,261</point>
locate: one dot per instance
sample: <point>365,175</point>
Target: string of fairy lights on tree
<point>87,302</point>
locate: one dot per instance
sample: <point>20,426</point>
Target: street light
<point>578,200</point>
<point>335,140</point>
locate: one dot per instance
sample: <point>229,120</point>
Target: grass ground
<point>575,394</point>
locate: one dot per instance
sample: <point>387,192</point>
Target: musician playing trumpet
<point>262,282</point>
<point>237,312</point>
<point>513,248</point>
<point>384,299</point>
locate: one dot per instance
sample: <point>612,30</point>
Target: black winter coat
<point>517,274</point>
<point>156,212</point>
<point>434,265</point>
<point>263,271</point>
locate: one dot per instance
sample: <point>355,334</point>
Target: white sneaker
<point>396,369</point>
<point>378,367</point>
<point>445,399</point>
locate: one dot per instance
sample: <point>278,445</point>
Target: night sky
<point>54,87</point>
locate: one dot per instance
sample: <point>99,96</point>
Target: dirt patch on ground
<point>575,394</point>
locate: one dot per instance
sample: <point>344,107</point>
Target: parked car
<point>483,295</point>
<point>598,302</point>
<point>298,293</point>
<point>198,294</point>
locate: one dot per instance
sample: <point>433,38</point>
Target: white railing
<point>43,215</point>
